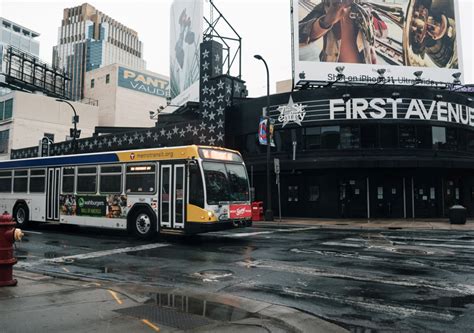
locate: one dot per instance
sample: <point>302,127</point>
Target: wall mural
<point>204,125</point>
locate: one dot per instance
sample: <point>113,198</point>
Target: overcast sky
<point>264,26</point>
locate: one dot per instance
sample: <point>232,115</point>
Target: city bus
<point>179,190</point>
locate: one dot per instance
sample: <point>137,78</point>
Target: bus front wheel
<point>143,224</point>
<point>21,215</point>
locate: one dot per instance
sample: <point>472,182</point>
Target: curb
<point>293,319</point>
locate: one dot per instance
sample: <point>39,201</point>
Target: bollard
<point>8,235</point>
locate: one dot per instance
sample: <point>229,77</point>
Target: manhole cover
<point>213,275</point>
<point>411,251</point>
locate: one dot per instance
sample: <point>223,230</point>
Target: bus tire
<point>143,223</point>
<point>21,215</point>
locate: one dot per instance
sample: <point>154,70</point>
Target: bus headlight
<point>210,214</point>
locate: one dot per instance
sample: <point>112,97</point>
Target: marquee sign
<point>373,108</point>
<point>142,82</point>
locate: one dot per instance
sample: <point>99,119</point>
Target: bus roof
<point>136,155</point>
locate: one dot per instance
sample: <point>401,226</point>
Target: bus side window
<point>196,190</point>
<point>111,179</point>
<point>5,181</point>
<point>140,178</point>
<point>68,180</point>
<point>20,181</point>
<point>37,180</point>
<point>87,180</point>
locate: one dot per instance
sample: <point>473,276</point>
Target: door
<point>386,197</point>
<point>172,196</point>
<point>52,194</point>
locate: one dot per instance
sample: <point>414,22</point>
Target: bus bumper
<point>200,227</point>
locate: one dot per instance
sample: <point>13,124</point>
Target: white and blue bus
<point>178,190</point>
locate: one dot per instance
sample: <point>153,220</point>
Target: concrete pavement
<point>54,304</point>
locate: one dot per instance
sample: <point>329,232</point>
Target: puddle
<point>214,275</point>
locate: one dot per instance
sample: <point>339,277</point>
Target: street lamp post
<point>75,120</point>
<point>268,211</point>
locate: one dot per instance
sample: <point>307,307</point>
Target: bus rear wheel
<point>143,224</point>
<point>21,215</point>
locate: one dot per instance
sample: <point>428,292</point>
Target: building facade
<point>126,96</point>
<point>363,152</point>
<point>26,118</point>
<point>88,39</point>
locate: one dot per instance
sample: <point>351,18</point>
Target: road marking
<point>151,325</point>
<point>115,296</point>
<point>66,270</point>
<point>246,234</point>
<point>98,254</point>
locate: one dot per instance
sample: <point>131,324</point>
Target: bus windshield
<point>225,182</point>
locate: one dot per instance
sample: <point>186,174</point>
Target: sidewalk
<point>44,303</point>
<point>421,224</point>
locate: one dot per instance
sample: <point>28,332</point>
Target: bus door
<point>52,194</point>
<point>172,196</point>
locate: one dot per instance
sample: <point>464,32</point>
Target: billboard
<point>145,83</point>
<point>185,37</point>
<point>364,36</point>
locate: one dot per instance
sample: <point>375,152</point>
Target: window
<point>92,83</point>
<point>87,179</point>
<point>451,139</point>
<point>330,137</point>
<point>4,138</point>
<point>8,109</point>
<point>111,179</point>
<point>50,136</point>
<point>5,181</point>
<point>424,137</point>
<point>140,178</point>
<point>107,78</point>
<point>388,136</point>
<point>407,136</point>
<point>350,137</point>
<point>313,193</point>
<point>196,189</point>
<point>368,136</point>
<point>438,137</point>
<point>68,179</point>
<point>37,181</point>
<point>313,137</point>
<point>20,181</point>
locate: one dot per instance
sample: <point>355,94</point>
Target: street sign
<point>276,163</point>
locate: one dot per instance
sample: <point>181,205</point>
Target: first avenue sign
<point>376,108</point>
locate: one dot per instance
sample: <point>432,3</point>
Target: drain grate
<point>166,317</point>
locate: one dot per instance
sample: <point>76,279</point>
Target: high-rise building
<point>88,39</point>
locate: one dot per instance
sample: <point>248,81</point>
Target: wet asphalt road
<point>364,280</point>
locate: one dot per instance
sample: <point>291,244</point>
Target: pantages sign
<point>375,108</point>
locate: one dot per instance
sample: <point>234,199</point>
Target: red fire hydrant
<point>8,235</point>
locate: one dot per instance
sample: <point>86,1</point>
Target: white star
<point>203,126</point>
<point>114,139</point>
<point>136,136</point>
<point>205,78</point>
<point>205,65</point>
<point>148,134</point>
<point>205,102</point>
<point>155,137</point>
<point>189,128</point>
<point>109,143</point>
<point>220,136</point>
<point>237,87</point>
<point>195,131</point>
<point>217,69</point>
<point>202,138</point>
<point>205,90</point>
<point>220,111</point>
<point>228,89</point>
<point>205,114</point>
<point>119,141</point>
<point>220,85</point>
<point>212,103</point>
<point>212,141</point>
<point>217,57</point>
<point>163,132</point>
<point>212,90</point>
<point>220,98</point>
<point>205,54</point>
<point>130,140</point>
<point>212,128</point>
<point>220,124</point>
<point>175,130</point>
<point>142,138</point>
<point>228,102</point>
<point>168,135</point>
<point>212,116</point>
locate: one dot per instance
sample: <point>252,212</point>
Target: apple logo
<point>302,75</point>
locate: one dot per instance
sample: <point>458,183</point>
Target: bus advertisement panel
<point>399,36</point>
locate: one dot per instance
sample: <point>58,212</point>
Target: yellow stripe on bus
<point>159,154</point>
<point>197,214</point>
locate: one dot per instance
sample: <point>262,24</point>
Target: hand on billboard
<point>437,29</point>
<point>336,11</point>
